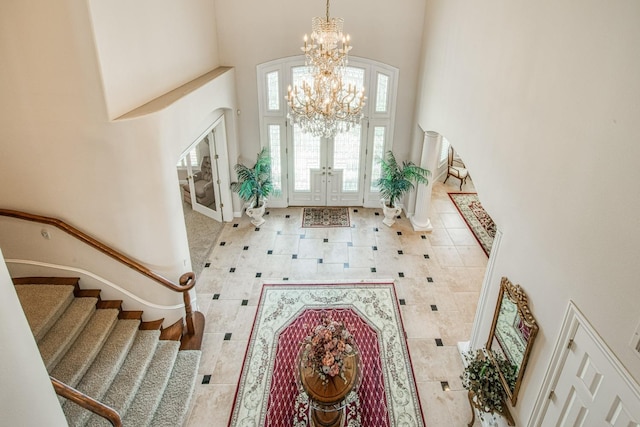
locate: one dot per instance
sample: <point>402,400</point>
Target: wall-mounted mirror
<point>511,336</point>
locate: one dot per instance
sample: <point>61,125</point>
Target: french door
<point>207,182</point>
<point>314,171</point>
<point>327,171</point>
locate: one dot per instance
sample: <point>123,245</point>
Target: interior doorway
<point>203,172</point>
<point>203,175</point>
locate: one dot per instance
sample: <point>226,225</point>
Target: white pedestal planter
<point>390,214</point>
<point>256,214</point>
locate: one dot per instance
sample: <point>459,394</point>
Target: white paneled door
<point>327,172</point>
<point>590,389</point>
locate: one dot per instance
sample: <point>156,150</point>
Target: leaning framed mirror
<point>512,334</point>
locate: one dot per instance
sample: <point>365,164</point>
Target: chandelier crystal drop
<point>324,104</point>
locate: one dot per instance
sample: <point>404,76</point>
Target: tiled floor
<point>438,275</point>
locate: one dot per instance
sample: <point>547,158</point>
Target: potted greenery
<point>254,185</point>
<point>482,378</point>
<point>396,180</point>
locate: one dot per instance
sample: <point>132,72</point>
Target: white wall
<point>542,100</point>
<point>62,157</point>
<point>25,382</point>
<point>254,32</point>
<point>148,47</point>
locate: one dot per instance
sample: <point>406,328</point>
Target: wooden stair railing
<point>186,283</point>
<point>87,402</point>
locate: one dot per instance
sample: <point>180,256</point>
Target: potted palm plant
<point>254,185</point>
<point>396,180</point>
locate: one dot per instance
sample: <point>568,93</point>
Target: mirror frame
<point>519,298</point>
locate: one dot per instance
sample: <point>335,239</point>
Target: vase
<point>390,213</point>
<point>257,213</point>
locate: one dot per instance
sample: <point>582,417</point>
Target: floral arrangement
<point>326,348</point>
<point>481,376</point>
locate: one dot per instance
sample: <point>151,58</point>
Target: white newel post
<point>429,160</point>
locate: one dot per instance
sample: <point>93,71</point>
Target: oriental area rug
<point>479,222</point>
<point>269,392</point>
<point>325,217</point>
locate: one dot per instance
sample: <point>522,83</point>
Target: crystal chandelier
<point>323,104</point>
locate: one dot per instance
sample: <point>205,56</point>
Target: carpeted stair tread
<point>43,304</point>
<point>105,367</point>
<point>124,386</point>
<point>177,395</point>
<point>85,348</point>
<point>64,332</point>
<point>148,397</point>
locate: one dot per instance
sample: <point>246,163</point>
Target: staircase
<point>108,354</point>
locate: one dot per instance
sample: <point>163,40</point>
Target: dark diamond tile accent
<point>294,256</point>
<point>223,243</point>
<point>227,336</point>
<point>439,342</point>
<point>246,248</point>
<point>232,270</point>
<point>434,307</point>
<point>375,229</point>
<point>285,278</point>
<point>258,274</point>
<point>235,225</point>
<point>399,233</point>
<point>257,229</point>
<point>216,296</point>
<point>270,252</point>
<point>377,214</point>
<point>349,244</point>
<point>401,301</point>
<point>375,248</point>
<point>355,210</point>
<point>426,256</point>
<point>206,379</point>
<point>287,216</point>
<point>445,385</point>
<point>320,261</point>
<point>325,240</point>
<point>207,265</point>
<point>401,274</point>
<point>424,237</point>
<point>373,270</point>
<point>400,253</point>
<point>430,279</point>
<point>245,302</point>
<point>346,265</point>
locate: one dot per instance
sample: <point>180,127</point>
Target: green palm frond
<point>254,183</point>
<point>397,180</point>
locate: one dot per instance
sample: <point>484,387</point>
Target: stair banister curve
<point>87,402</point>
<point>186,283</point>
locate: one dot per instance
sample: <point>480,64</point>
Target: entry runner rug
<point>480,223</point>
<point>325,217</point>
<point>269,393</point>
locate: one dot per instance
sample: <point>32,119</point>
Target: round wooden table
<point>328,401</point>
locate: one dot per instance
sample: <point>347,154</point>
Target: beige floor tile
<point>440,237</point>
<point>229,363</point>
<point>452,220</point>
<point>456,264</point>
<point>448,256</point>
<point>212,405</point>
